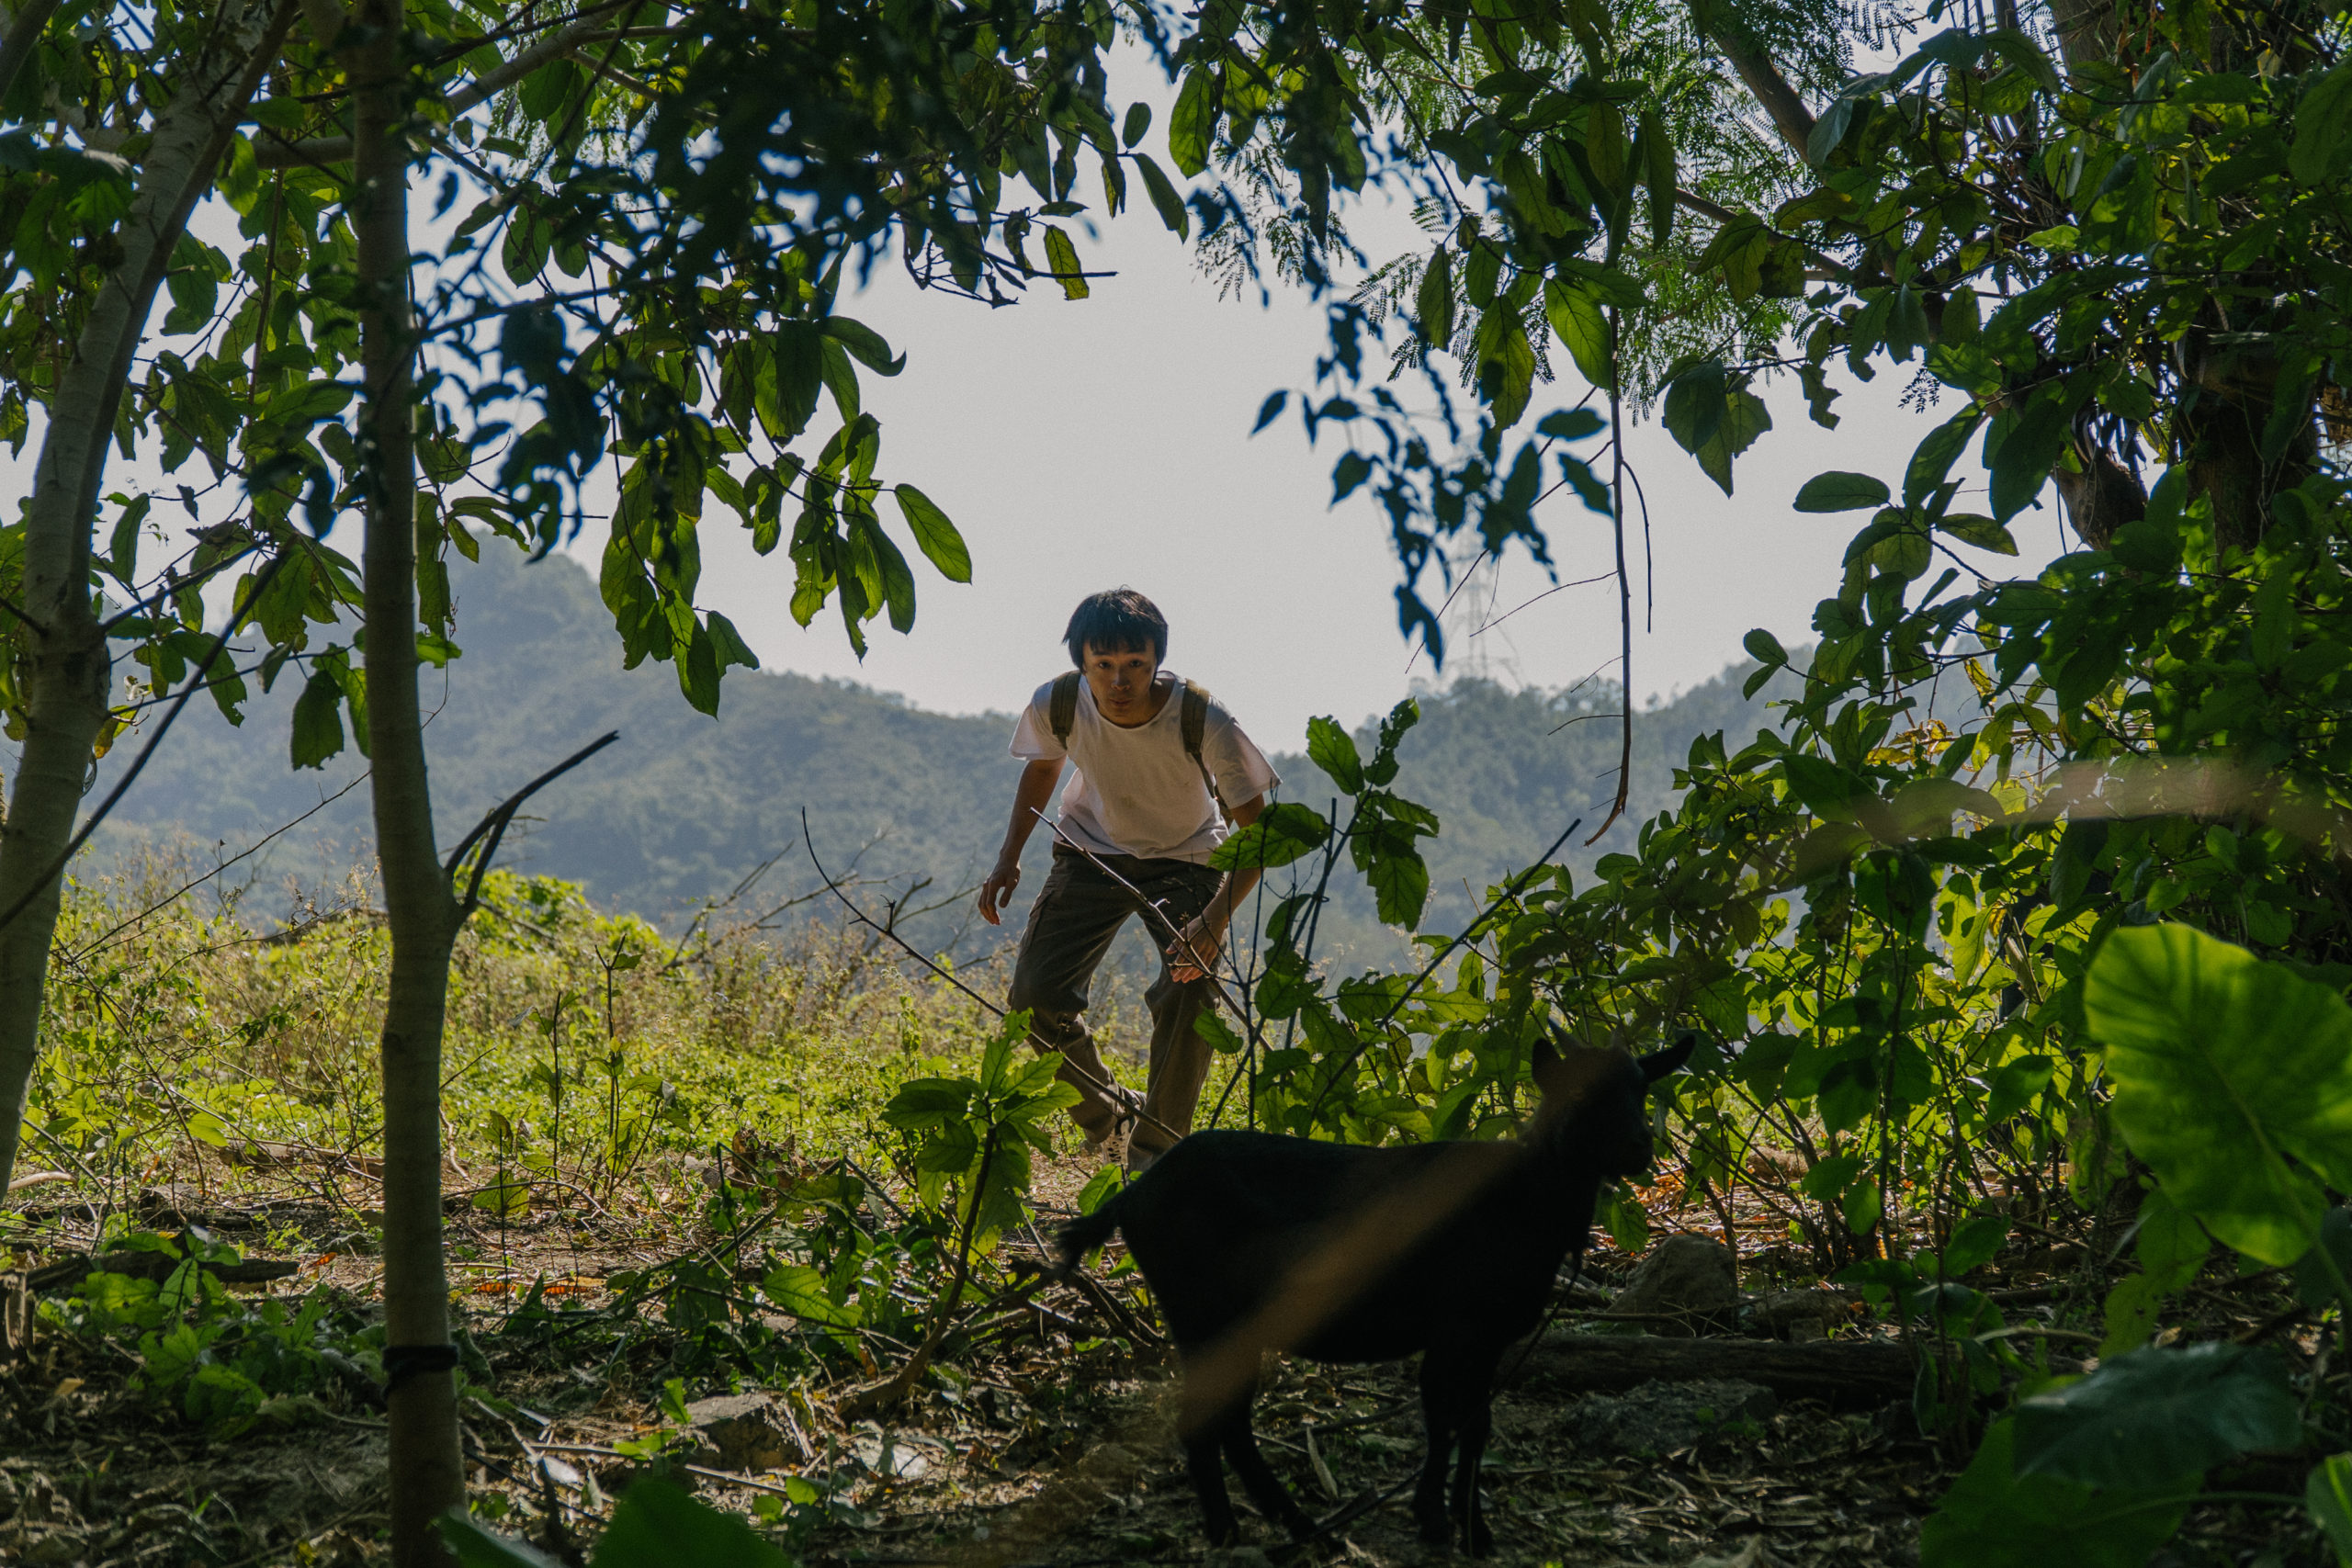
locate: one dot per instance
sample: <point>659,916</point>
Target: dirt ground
<point>1048,1441</point>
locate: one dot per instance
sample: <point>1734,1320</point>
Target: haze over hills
<point>684,806</point>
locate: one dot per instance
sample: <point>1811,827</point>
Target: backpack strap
<point>1193,720</point>
<point>1061,707</point>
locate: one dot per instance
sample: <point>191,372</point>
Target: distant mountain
<point>684,806</point>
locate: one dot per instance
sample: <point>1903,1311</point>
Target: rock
<point>744,1430</point>
<point>1238,1557</point>
<point>1802,1316</point>
<point>1686,1283</point>
<point>1659,1418</point>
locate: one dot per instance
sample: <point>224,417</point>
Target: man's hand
<point>997,891</point>
<point>1202,938</point>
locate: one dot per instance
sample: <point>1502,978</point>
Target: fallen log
<point>1842,1373</point>
<point>69,1272</point>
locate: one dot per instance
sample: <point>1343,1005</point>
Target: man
<point>1156,758</point>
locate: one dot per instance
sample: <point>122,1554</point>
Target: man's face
<point>1121,680</point>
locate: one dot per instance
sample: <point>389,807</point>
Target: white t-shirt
<point>1135,792</point>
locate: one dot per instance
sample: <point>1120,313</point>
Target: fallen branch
<point>1847,1374</point>
<point>153,1266</point>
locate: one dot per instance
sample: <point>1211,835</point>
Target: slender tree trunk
<point>70,677</point>
<point>427,1468</point>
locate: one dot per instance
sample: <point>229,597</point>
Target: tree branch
<point>24,34</point>
<point>497,821</point>
<point>130,774</point>
<point>1771,90</point>
<point>283,154</point>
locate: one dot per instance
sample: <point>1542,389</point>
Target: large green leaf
<point>477,1548</point>
<point>2328,1495</point>
<point>1333,749</point>
<point>2224,1068</point>
<point>799,1289</point>
<point>2158,1412</point>
<point>1835,492</point>
<point>934,534</point>
<point>1576,316</point>
<point>1190,127</point>
<point>657,1525</point>
<point>1433,300</point>
<point>1993,1518</point>
<point>1281,833</point>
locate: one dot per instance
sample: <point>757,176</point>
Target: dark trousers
<point>1071,925</point>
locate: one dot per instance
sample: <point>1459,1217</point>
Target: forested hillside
<point>684,806</point>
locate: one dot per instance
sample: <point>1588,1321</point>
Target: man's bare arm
<point>1205,937</point>
<point>1029,797</point>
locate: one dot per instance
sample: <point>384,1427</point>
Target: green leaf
<point>1694,405</point>
<point>1164,199</point>
<point>1934,458</point>
<point>1333,749</point>
<point>1506,363</point>
<point>123,550</point>
<point>1578,321</point>
<point>871,349</point>
<point>1190,127</point>
<point>1138,121</point>
<point>1570,424</point>
<point>801,1292</point>
<point>2030,442</point>
<point>2320,122</point>
<point>1433,300</point>
<point>1993,1518</point>
<point>1974,528</point>
<point>1220,1036</point>
<point>1764,647</point>
<point>1400,883</point>
<point>1745,419</point>
<point>934,534</point>
<point>1061,258</point>
<point>2224,1069</point>
<point>1099,1190</point>
<point>2154,1413</point>
<point>2171,1247</point>
<point>2328,1495</point>
<point>1835,492</point>
<point>1281,833</point>
<point>1974,1242</point>
<point>1350,471</point>
<point>657,1524</point>
<point>1660,174</point>
<point>318,720</point>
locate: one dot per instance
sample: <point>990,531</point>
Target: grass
<point>588,1058</point>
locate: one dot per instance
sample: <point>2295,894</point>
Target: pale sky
<point>1083,445</point>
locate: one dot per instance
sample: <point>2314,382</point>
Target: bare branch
<point>502,815</point>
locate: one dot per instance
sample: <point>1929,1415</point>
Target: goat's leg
<point>1203,1462</point>
<point>1473,1378</point>
<point>1477,1419</point>
<point>1265,1488</point>
<point>1203,1435</point>
<point>1438,1421</point>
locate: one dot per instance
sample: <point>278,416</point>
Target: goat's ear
<point>1545,1056</point>
<point>1657,1064</point>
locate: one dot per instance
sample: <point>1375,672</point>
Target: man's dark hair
<point>1119,620</point>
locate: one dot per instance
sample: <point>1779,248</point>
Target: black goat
<point>1342,1253</point>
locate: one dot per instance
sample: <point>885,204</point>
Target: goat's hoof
<point>1482,1540</point>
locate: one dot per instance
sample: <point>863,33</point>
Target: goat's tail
<point>1086,1233</point>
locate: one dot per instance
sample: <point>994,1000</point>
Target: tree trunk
<point>427,1468</point>
<point>71,676</point>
